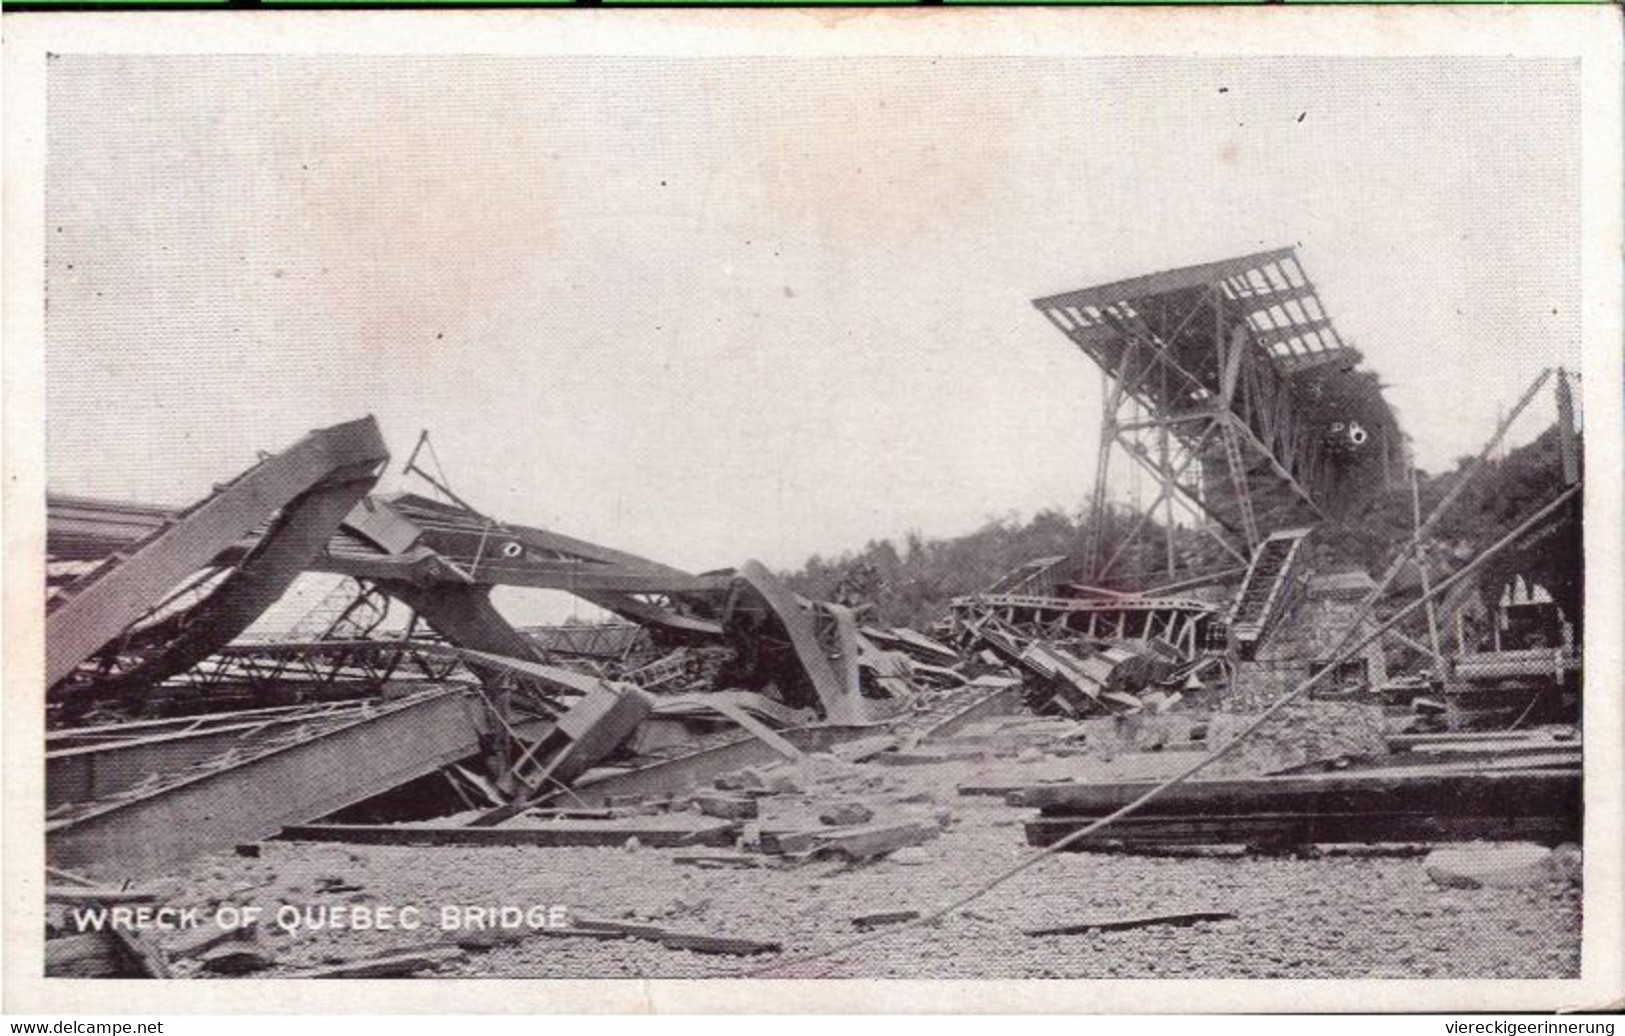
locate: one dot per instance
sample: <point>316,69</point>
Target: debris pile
<point>1262,692</point>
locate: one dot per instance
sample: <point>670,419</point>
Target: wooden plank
<point>656,832</point>
<point>1525,792</point>
<point>1305,829</point>
<point>880,920</point>
<point>1123,924</point>
<point>565,813</point>
<point>605,924</point>
<point>98,894</point>
<point>1001,790</point>
<point>395,965</point>
<point>697,942</point>
<point>1463,761</point>
<point>62,875</point>
<point>236,958</point>
<point>1447,740</point>
<point>732,946</point>
<point>110,953</point>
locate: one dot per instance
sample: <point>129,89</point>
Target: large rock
<point>1511,865</point>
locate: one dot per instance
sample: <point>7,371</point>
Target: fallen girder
<point>309,671</point>
<point>139,798</point>
<point>254,798</point>
<point>97,764</point>
<point>810,650</point>
<point>302,493</point>
<point>440,559</point>
<point>401,538</point>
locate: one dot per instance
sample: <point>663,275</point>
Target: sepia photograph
<point>517,507</point>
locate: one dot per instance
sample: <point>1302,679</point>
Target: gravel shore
<point>1343,915</point>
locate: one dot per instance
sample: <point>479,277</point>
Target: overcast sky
<point>713,310</point>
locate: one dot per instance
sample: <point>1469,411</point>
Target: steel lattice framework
<point>1228,383</point>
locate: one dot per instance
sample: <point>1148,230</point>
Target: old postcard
<point>965,508</point>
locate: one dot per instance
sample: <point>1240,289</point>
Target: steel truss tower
<point>1228,384</point>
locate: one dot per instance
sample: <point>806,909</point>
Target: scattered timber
<point>1297,829</point>
<point>660,831</point>
<point>97,895</point>
<point>394,965</point>
<point>881,920</point>
<point>1123,924</point>
<point>696,942</point>
<point>1387,806</point>
<point>1534,793</point>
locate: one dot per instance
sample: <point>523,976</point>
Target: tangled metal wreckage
<point>178,728</point>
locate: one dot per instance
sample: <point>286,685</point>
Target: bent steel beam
<point>465,616</point>
<point>831,674</point>
<point>412,542</point>
<point>95,608</point>
<point>256,584</point>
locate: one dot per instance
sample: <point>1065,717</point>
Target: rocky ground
<point>1361,914</point>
